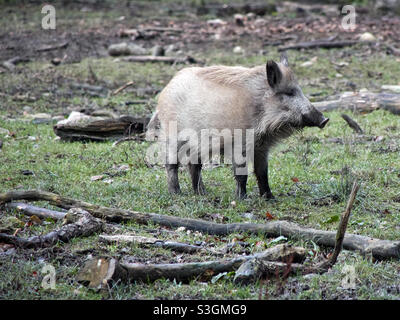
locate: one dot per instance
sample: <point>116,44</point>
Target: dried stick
<point>126,85</point>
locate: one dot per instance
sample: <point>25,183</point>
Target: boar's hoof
<point>269,196</point>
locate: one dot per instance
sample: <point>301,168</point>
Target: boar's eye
<point>290,92</point>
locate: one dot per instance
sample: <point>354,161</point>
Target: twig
<point>53,47</point>
<point>130,138</point>
<point>343,224</point>
<point>126,85</point>
<point>161,29</point>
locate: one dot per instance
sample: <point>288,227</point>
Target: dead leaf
<point>269,216</point>
<point>35,219</point>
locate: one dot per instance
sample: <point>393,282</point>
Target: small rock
<point>238,50</point>
<point>248,215</point>
<point>251,16</point>
<point>124,48</point>
<point>216,22</point>
<point>309,276</point>
<point>27,109</point>
<point>27,172</point>
<point>309,63</point>
<point>260,22</point>
<point>367,37</point>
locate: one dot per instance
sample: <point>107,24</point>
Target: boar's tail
<point>153,128</point>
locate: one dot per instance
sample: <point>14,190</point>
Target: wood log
<point>362,102</point>
<point>379,249</point>
<point>100,129</point>
<point>95,269</point>
<point>84,225</point>
<point>99,273</point>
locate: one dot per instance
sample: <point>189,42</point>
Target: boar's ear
<point>274,74</point>
<point>284,59</point>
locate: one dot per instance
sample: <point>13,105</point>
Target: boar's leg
<point>195,174</point>
<point>261,172</point>
<point>241,180</point>
<point>172,178</point>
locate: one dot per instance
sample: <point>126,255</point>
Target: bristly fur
<point>265,98</point>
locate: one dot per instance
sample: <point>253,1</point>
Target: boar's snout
<point>323,123</point>
<point>314,118</point>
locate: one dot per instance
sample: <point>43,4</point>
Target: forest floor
<point>311,173</point>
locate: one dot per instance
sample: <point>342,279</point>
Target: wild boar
<point>266,100</point>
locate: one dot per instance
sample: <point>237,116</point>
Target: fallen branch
<point>259,267</point>
<point>84,225</point>
<point>126,85</point>
<point>30,210</point>
<point>362,102</point>
<point>61,45</point>
<point>352,124</point>
<point>11,63</point>
<point>161,29</point>
<point>319,44</point>
<point>171,60</point>
<point>171,245</point>
<point>100,271</point>
<point>394,51</point>
<point>379,249</point>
